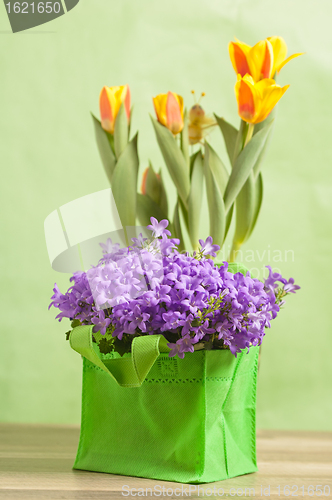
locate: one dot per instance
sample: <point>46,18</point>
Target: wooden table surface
<point>36,461</point>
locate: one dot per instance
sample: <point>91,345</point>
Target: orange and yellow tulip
<point>257,99</point>
<point>169,111</point>
<point>110,100</point>
<point>262,60</point>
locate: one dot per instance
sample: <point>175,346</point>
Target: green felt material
<point>189,420</point>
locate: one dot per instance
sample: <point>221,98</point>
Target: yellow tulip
<point>256,100</point>
<point>110,100</point>
<point>169,111</point>
<point>262,60</point>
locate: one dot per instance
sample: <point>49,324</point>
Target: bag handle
<point>127,372</point>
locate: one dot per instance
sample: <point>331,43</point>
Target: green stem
<point>247,130</point>
<point>239,140</point>
<point>250,131</point>
<point>234,251</point>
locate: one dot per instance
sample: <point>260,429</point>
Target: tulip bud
<point>199,124</point>
<point>151,184</point>
<point>110,100</point>
<point>169,111</point>
<point>144,178</point>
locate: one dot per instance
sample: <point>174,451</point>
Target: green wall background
<point>50,80</point>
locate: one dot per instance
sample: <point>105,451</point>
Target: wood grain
<point>36,461</point>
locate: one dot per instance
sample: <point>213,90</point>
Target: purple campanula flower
<point>101,323</point>
<point>290,287</point>
<point>151,288</point>
<point>159,228</point>
<point>186,344</point>
<point>175,350</point>
<point>207,247</point>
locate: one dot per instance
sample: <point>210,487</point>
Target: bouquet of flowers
<point>152,288</point>
<point>168,337</point>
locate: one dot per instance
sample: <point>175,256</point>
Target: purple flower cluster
<point>151,288</point>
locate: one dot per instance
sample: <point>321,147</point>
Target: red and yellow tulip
<point>110,100</point>
<point>262,60</point>
<point>169,111</point>
<point>257,99</point>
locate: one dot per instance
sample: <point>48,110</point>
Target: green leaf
<point>245,205</point>
<point>147,208</point>
<point>230,134</point>
<point>259,127</point>
<point>244,165</point>
<point>177,227</point>
<point>130,119</point>
<point>120,131</point>
<point>215,203</point>
<point>121,346</point>
<point>229,217</point>
<point>217,168</point>
<point>195,199</point>
<point>236,267</point>
<point>163,203</point>
<point>185,214</point>
<point>192,161</point>
<point>75,323</point>
<point>124,184</point>
<point>155,189</point>
<point>174,159</point>
<point>153,185</point>
<point>104,147</point>
<point>258,201</point>
<point>185,139</point>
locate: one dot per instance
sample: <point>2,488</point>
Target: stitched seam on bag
<point>204,419</point>
<point>176,380</point>
<point>172,381</point>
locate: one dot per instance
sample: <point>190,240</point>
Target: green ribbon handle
<point>127,372</point>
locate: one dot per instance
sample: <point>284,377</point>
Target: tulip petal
<point>267,65</point>
<point>107,105</point>
<point>159,103</point>
<point>272,95</point>
<point>127,101</point>
<point>289,59</point>
<point>245,99</point>
<point>238,59</point>
<point>279,52</point>
<point>260,60</point>
<point>243,46</point>
<point>173,113</point>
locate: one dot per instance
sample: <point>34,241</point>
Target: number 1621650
<point>33,7</point>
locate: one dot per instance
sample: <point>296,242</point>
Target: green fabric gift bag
<point>189,420</point>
